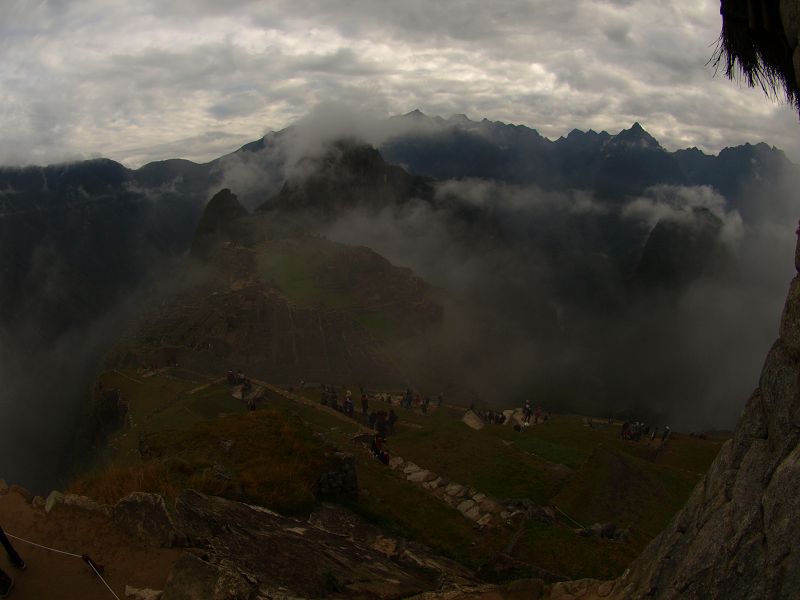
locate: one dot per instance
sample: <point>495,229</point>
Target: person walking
<point>6,581</point>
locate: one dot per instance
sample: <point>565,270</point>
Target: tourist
<point>6,581</point>
<point>381,426</point>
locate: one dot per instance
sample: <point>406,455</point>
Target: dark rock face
<point>241,551</point>
<point>109,414</point>
<point>676,252</point>
<point>74,237</point>
<point>147,517</point>
<point>240,319</point>
<point>737,535</point>
<point>259,329</point>
<point>348,175</point>
<point>221,222</point>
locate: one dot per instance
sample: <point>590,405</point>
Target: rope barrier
<point>570,518</point>
<point>89,562</point>
<point>43,547</point>
<point>84,557</point>
<point>564,577</point>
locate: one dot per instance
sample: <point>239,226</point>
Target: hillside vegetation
<point>186,429</point>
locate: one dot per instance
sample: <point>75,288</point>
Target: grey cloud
<point>237,105</point>
<point>677,204</point>
<point>343,61</point>
<point>114,74</point>
<point>709,337</point>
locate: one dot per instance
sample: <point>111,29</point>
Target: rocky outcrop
<point>678,251</point>
<point>222,220</point>
<point>109,414</point>
<point>472,420</point>
<point>236,550</point>
<point>147,517</point>
<point>348,174</point>
<point>333,327</point>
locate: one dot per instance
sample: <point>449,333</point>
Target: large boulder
<point>472,420</point>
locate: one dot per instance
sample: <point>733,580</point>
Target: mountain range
<point>577,260</point>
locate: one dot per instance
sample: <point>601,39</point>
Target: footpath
<point>474,505</point>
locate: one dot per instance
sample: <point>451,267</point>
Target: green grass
<point>556,553</point>
<point>613,486</point>
<point>690,453</point>
<point>296,270</point>
<point>377,323</point>
<point>264,457</point>
<point>531,442</point>
<point>482,461</point>
<point>408,511</point>
<point>589,472</point>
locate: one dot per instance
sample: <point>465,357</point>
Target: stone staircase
<point>472,504</point>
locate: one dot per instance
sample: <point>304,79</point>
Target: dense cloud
<point>552,278</point>
<point>548,306</point>
<point>558,319</point>
<point>144,81</point>
<point>678,203</point>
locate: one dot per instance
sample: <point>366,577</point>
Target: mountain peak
<point>219,221</point>
<point>635,137</point>
<point>416,114</point>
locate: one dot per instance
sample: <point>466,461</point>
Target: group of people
<point>329,396</point>
<point>382,422</point>
<point>239,378</point>
<point>411,400</point>
<point>636,430</point>
<point>497,417</point>
<point>527,412</point>
<point>490,416</point>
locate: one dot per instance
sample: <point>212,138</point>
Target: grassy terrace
<point>181,423</point>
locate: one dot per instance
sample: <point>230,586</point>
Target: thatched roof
<point>753,45</point>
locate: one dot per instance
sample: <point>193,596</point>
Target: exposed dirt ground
<point>55,576</point>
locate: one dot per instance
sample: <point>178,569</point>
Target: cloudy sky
<point>153,79</point>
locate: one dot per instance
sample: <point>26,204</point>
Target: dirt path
<point>303,400</point>
<point>50,575</point>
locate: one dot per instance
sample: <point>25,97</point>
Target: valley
<point>355,273</point>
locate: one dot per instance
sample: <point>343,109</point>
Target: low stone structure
<point>471,503</point>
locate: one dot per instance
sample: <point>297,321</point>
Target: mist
<point>49,377</point>
<point>44,400</point>
<point>557,318</point>
<point>557,311</point>
<point>83,249</point>
<point>543,294</point>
